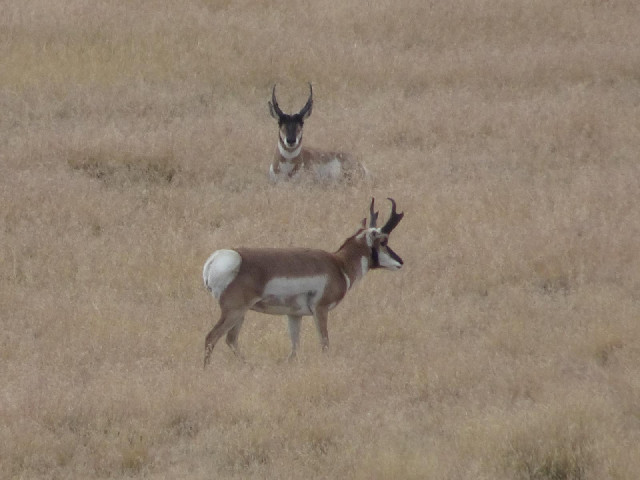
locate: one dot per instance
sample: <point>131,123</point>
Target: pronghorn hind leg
<point>321,315</point>
<point>232,337</point>
<point>294,333</point>
<point>228,320</point>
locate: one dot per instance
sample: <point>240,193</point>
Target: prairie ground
<point>135,140</point>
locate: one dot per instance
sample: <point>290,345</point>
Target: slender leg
<point>294,333</point>
<point>232,337</point>
<point>321,315</point>
<point>228,320</point>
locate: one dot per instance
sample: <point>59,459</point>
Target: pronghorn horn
<point>307,108</point>
<point>274,102</point>
<point>394,219</point>
<point>374,215</point>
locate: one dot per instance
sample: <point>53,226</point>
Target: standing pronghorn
<point>291,157</point>
<point>293,281</point>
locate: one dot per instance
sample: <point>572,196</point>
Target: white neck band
<point>287,154</point>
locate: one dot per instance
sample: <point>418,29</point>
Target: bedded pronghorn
<point>291,158</point>
<point>295,282</point>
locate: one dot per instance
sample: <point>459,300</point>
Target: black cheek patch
<point>375,262</point>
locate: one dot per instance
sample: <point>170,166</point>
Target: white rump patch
<point>220,270</point>
<point>330,170</point>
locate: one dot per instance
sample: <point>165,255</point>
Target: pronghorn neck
<point>287,153</point>
<point>355,256</point>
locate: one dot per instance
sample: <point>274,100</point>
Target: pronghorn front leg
<point>294,333</point>
<point>321,315</point>
<point>230,322</point>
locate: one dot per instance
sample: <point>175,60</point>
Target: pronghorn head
<point>290,125</point>
<point>378,239</point>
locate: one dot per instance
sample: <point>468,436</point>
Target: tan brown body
<point>292,281</point>
<point>319,164</point>
<point>259,266</point>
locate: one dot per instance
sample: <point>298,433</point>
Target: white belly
<point>291,296</point>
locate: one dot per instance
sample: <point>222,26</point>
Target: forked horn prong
<point>373,215</point>
<point>394,219</point>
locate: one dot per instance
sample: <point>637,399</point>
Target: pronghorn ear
<point>364,222</point>
<point>372,234</point>
<point>375,233</point>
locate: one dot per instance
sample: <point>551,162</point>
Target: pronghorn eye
<point>384,242</point>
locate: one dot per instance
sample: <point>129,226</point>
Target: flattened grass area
<point>135,139</point>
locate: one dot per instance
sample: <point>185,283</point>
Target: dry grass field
<point>135,140</point>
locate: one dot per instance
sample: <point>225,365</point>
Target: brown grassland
<point>135,139</point>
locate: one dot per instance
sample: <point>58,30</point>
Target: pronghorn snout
<point>395,257</point>
<point>291,135</point>
<point>382,255</point>
<point>291,142</point>
<point>386,258</point>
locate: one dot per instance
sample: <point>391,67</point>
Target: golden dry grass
<point>135,139</point>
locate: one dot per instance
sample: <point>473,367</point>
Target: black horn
<point>373,215</point>
<point>274,103</point>
<point>394,219</point>
<point>306,110</point>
